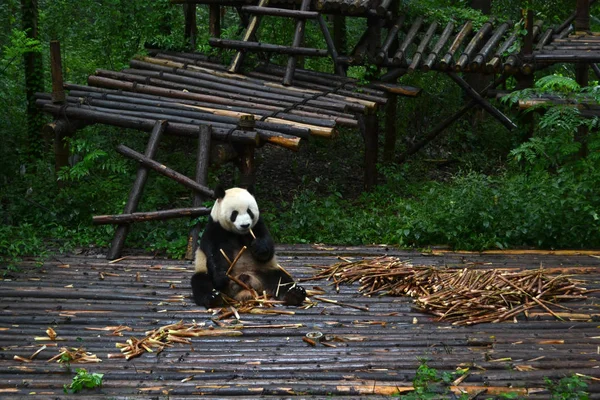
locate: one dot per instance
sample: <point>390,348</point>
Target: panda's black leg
<point>283,287</point>
<point>203,291</point>
<point>295,295</point>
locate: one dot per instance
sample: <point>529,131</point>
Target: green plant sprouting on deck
<point>83,380</point>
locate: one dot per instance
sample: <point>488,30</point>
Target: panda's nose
<point>245,226</point>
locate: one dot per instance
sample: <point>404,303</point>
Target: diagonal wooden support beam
<point>236,62</point>
<point>136,191</point>
<point>165,171</point>
<point>339,69</point>
<point>478,98</point>
<point>439,128</point>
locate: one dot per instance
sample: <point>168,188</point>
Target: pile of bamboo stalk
<point>460,296</point>
<point>166,336</point>
<point>75,355</point>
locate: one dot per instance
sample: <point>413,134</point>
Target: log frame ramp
<point>377,357</point>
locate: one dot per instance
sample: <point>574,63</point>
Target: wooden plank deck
<point>378,358</point>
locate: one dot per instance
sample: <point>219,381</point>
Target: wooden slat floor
<point>379,357</point>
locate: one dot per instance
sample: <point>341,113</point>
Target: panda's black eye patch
<point>251,214</point>
<point>233,216</point>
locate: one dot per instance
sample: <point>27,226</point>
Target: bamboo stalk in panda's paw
<point>235,260</point>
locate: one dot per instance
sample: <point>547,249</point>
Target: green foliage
<point>83,379</point>
<point>444,11</point>
<point>568,388</point>
<point>554,144</point>
<point>430,384</point>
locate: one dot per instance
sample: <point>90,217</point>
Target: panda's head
<point>235,210</point>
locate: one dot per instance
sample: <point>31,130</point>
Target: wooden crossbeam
<point>164,170</point>
<point>136,191</point>
<point>439,128</point>
<point>503,119</point>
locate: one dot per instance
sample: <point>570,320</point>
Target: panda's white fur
<point>240,201</point>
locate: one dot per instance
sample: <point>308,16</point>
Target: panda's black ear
<point>219,192</point>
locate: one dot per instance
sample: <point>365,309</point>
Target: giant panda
<point>235,222</point>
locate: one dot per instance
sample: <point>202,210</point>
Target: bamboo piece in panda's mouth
<point>252,233</point>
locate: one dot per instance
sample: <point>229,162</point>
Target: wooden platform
<point>376,355</point>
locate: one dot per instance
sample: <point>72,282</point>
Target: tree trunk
<point>33,79</point>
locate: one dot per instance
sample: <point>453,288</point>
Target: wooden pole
<point>267,47</point>
<point>33,78</point>
<point>201,178</point>
<point>164,170</point>
<point>503,119</point>
<point>136,191</point>
<point>439,128</point>
<point>447,60</point>
<point>370,132</point>
<point>58,91</point>
<point>297,42</point>
<point>582,23</point>
<point>340,36</point>
<point>191,28</point>
<point>145,123</point>
<point>398,58</point>
<point>418,56</point>
<point>392,37</point>
<point>439,46</point>
<point>214,20</point>
<point>390,128</point>
<point>251,28</point>
<point>61,130</point>
<point>339,69</point>
<point>150,216</point>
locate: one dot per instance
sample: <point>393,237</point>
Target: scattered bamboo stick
<point>461,296</point>
<point>75,355</point>
<point>166,336</point>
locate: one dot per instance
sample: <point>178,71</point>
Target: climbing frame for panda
<point>230,115</point>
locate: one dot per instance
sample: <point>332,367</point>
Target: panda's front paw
<point>220,281</point>
<point>295,296</point>
<point>261,250</point>
<point>213,299</point>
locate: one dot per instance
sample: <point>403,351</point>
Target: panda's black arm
<point>263,247</point>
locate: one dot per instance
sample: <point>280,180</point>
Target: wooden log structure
<point>267,47</point>
<point>135,194</point>
<point>296,43</point>
<point>201,178</point>
<point>164,170</point>
<point>418,55</point>
<point>410,36</point>
<point>150,216</point>
<point>250,32</point>
<point>391,37</point>
<point>437,49</point>
<point>446,62</point>
<point>475,43</point>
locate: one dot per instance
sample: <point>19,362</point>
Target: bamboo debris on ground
<point>75,355</point>
<point>460,296</point>
<point>166,336</point>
